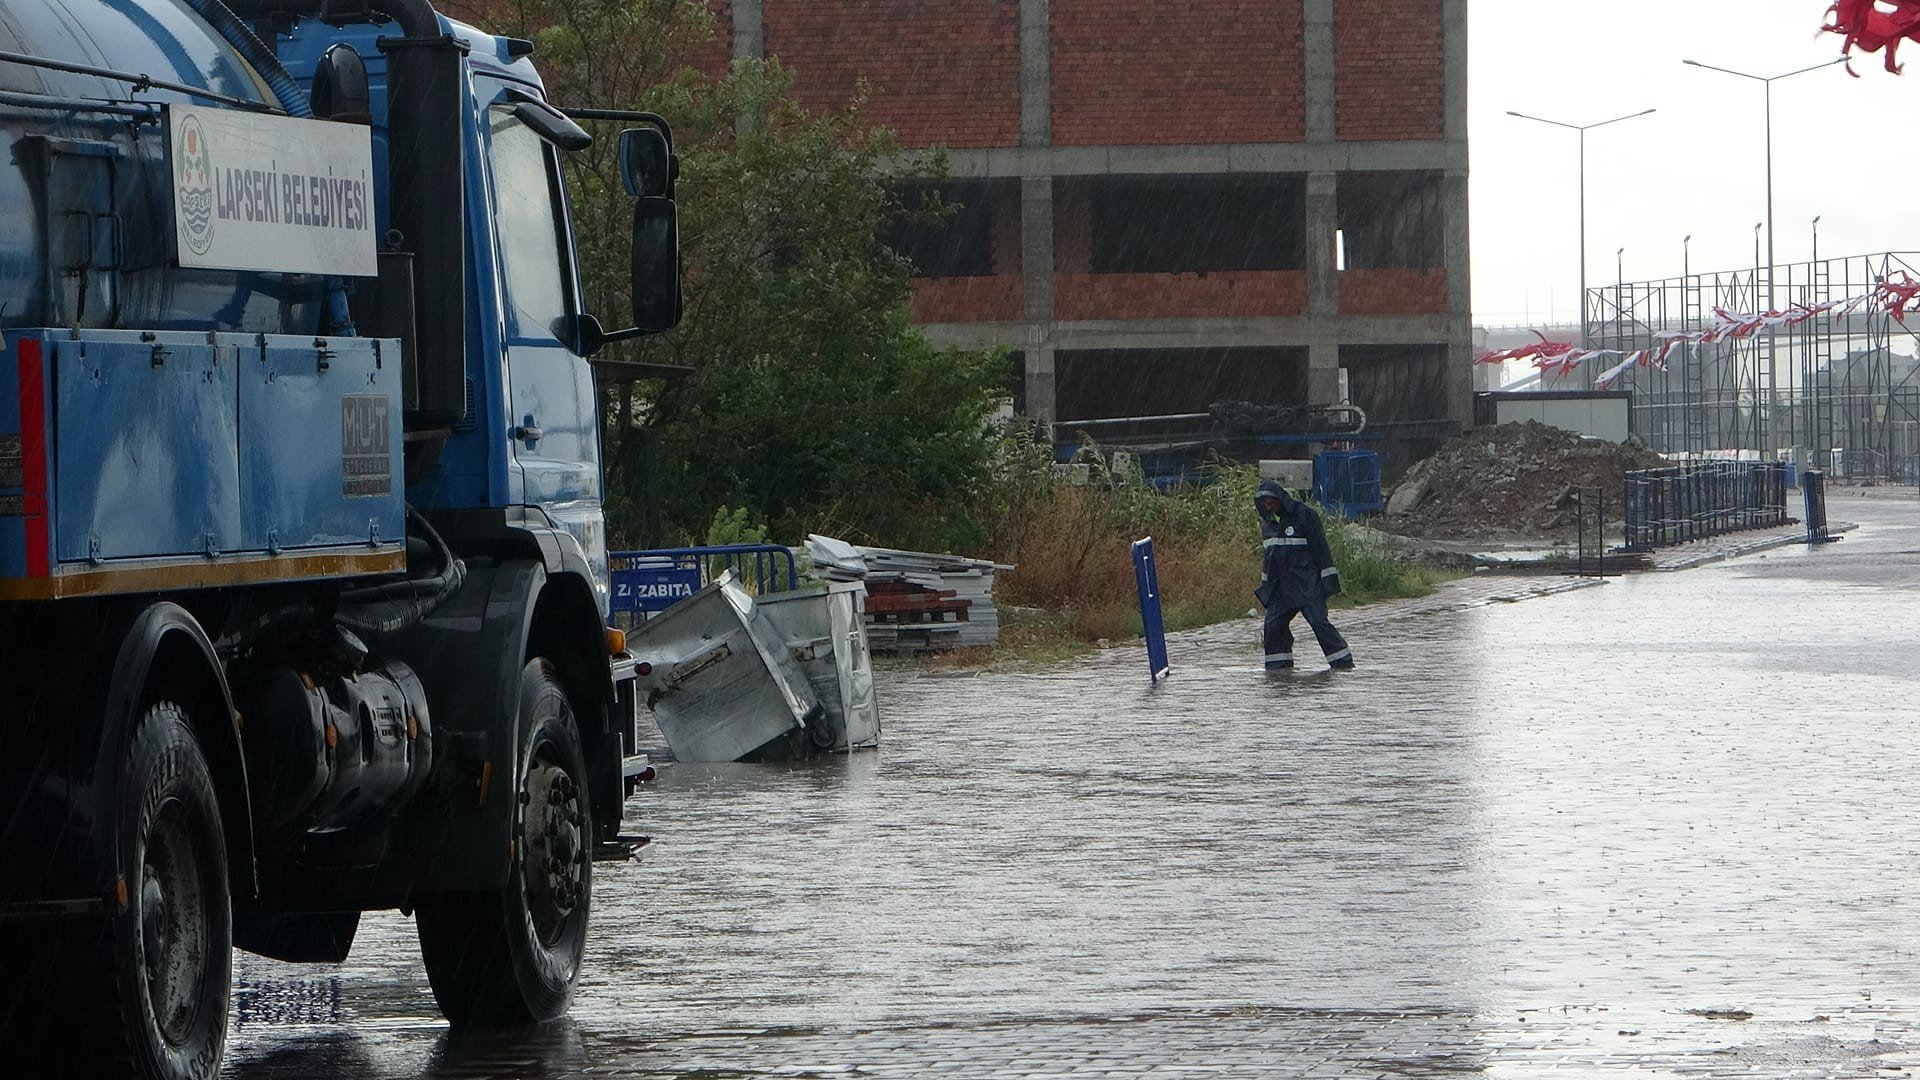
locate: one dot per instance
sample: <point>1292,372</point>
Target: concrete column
<point>1459,404</point>
<point>1322,222</point>
<point>1039,357</point>
<point>1036,205</point>
<point>1453,15</point>
<point>1323,373</point>
<point>749,30</point>
<point>1036,267</point>
<point>1036,73</point>
<point>1453,51</point>
<point>1323,204</point>
<point>1320,86</point>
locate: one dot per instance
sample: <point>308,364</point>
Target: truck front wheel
<point>170,940</point>
<point>510,958</point>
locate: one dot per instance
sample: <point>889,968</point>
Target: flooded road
<point>1667,825</point>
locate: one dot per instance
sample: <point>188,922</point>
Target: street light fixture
<point>1767,81</point>
<point>1582,129</point>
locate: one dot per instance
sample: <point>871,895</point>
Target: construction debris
<point>1511,479</point>
<point>917,601</point>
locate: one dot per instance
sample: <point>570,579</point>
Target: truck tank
<point>86,232</point>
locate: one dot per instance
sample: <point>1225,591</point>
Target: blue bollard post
<point>1150,618</point>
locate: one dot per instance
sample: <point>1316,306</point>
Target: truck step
<point>37,910</point>
<point>621,848</point>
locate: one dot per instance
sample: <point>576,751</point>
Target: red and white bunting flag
<point>1874,25</point>
<point>1895,295</point>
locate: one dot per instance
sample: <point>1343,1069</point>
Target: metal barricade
<point>1813,489</point>
<point>1592,551</point>
<point>644,583</point>
<point>1691,502</point>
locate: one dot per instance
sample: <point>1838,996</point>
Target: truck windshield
<point>529,227</point>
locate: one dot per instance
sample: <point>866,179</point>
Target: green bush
<point>1071,545</point>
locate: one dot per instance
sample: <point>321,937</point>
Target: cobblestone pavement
<point>1663,826</point>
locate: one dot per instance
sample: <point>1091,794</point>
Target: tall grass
<point>1071,548</point>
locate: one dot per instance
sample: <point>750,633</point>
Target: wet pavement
<point>1663,826</point>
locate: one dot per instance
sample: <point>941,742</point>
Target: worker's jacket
<point>1296,566</point>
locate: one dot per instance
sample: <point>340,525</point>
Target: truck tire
<point>168,948</point>
<point>510,958</point>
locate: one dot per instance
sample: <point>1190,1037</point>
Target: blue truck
<point>303,577</point>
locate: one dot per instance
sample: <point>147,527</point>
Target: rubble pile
<point>1513,479</point>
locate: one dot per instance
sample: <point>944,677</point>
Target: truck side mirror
<point>646,163</point>
<point>656,264</point>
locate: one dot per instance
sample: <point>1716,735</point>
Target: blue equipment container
<point>1348,481</point>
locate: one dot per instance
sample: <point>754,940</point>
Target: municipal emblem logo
<point>1289,530</point>
<point>193,186</point>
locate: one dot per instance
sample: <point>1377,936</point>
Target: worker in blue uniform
<point>1297,576</point>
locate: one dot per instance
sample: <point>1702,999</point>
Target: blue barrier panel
<point>646,582</point>
<point>1150,620</point>
<point>654,583</point>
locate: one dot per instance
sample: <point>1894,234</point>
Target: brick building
<point>1169,203</point>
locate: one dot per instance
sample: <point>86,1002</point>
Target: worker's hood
<point>1271,489</point>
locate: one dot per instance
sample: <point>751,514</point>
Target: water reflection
<point>1672,792</point>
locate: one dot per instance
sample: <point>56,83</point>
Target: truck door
<point>554,437</point>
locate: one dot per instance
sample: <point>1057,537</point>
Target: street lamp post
<point>1582,129</point>
<point>1758,427</point>
<point>1807,376</point>
<point>1767,81</point>
<point>1686,350</point>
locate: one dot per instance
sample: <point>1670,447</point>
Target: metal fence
<point>1690,502</point>
<point>1843,392</point>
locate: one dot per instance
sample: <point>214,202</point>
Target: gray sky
<point>1842,148</point>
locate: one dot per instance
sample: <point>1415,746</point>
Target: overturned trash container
<point>722,681</point>
<point>824,628</point>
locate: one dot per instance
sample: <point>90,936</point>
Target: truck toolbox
<point>141,461</point>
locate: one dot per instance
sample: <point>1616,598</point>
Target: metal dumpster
<point>722,682</point>
<point>824,630</point>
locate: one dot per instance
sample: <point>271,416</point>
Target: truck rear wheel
<point>510,958</point>
<point>169,944</point>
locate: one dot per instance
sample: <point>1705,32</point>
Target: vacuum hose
<point>395,606</point>
<point>254,51</point>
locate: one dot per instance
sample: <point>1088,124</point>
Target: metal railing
<point>1691,502</point>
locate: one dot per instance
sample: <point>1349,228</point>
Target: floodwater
<point>1593,831</point>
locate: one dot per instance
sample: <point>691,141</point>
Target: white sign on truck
<point>258,192</point>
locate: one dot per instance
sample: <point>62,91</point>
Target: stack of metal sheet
<point>941,601</point>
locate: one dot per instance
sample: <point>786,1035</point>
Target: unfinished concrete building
<point>1167,205</point>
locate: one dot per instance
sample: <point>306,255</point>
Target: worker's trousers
<point>1278,635</point>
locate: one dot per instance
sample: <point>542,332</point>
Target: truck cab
<point>303,581</point>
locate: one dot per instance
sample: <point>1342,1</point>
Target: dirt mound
<point>1511,479</point>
